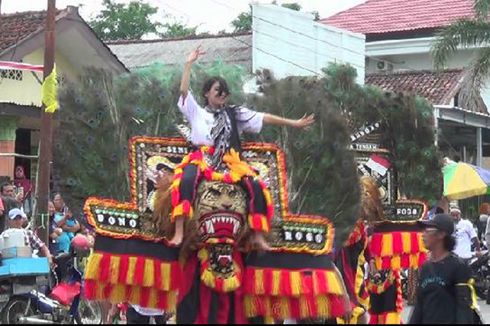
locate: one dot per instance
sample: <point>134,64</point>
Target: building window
<point>11,74</point>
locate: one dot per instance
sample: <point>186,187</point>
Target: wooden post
<point>479,147</point>
<point>46,139</point>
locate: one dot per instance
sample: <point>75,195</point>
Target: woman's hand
<point>194,55</point>
<point>304,121</point>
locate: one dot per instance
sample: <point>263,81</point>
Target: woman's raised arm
<point>186,75</point>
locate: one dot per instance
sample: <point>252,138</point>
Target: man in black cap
<point>444,290</point>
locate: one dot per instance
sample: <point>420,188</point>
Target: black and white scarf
<point>224,134</point>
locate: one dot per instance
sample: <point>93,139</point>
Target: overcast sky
<point>211,15</point>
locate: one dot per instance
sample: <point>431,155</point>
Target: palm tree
<point>468,33</point>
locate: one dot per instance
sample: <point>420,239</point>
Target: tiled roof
<point>231,49</point>
<point>376,17</point>
<point>438,87</point>
<point>14,27</point>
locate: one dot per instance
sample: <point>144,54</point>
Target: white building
<point>285,41</point>
<point>291,43</point>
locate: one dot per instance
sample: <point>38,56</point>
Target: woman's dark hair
<point>449,242</point>
<point>223,87</point>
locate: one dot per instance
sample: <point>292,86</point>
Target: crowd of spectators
<point>63,225</point>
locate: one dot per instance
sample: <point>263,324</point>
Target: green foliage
<point>482,8</point>
<point>408,130</point>
<point>467,33</point>
<point>132,21</point>
<point>101,112</point>
<point>321,169</point>
<point>177,29</point>
<point>316,15</point>
<point>293,6</point>
<point>119,21</point>
<point>243,22</point>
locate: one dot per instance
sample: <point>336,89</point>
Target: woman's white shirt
<point>201,121</point>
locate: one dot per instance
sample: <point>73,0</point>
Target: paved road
<point>484,308</point>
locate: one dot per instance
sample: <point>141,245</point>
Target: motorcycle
<point>480,268</point>
<point>50,299</point>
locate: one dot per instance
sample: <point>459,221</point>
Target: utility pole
<point>46,140</point>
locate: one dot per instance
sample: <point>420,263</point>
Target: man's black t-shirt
<point>437,299</point>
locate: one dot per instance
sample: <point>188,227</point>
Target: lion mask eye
<point>214,192</point>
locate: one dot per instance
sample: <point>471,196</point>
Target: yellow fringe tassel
<point>249,306</point>
<point>259,281</point>
<point>118,294</point>
<point>387,245</point>
<point>322,306</point>
<point>149,273</point>
<point>276,282</point>
<point>114,269</point>
<point>153,298</point>
<point>279,307</point>
<point>334,284</point>
<point>284,306</point>
<point>92,268</point>
<point>357,312</point>
<point>295,279</point>
<point>406,242</point>
<point>229,284</point>
<point>92,271</point>
<point>393,318</point>
<point>165,271</point>
<point>396,262</point>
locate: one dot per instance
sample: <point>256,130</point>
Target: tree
<point>316,15</point>
<point>467,33</point>
<point>119,21</point>
<point>243,22</point>
<point>293,6</point>
<point>177,29</point>
<point>132,21</point>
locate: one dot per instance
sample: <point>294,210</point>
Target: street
<point>484,309</point>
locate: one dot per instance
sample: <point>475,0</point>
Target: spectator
<point>443,291</point>
<point>24,187</point>
<point>465,235</point>
<point>16,217</point>
<point>9,201</point>
<point>483,219</point>
<point>54,231</point>
<point>64,219</point>
<point>59,203</point>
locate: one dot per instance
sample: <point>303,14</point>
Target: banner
<point>7,65</point>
